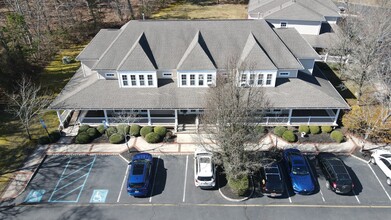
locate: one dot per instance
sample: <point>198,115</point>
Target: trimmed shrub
<point>55,136</point>
<point>279,130</point>
<point>152,138</point>
<point>93,133</point>
<point>161,131</point>
<point>326,129</point>
<point>337,136</point>
<point>117,138</point>
<point>110,131</point>
<point>239,186</point>
<point>83,128</point>
<point>314,129</point>
<point>289,136</point>
<point>43,140</point>
<point>135,130</point>
<point>101,129</point>
<point>259,129</point>
<point>123,129</point>
<point>146,130</point>
<point>82,138</point>
<point>304,128</point>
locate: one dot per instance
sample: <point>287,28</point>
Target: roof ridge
<point>249,46</point>
<point>312,10</point>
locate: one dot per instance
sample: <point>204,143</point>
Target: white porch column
<point>60,119</point>
<point>149,117</point>
<point>290,116</point>
<point>176,120</point>
<point>336,116</point>
<point>106,118</point>
<point>197,123</point>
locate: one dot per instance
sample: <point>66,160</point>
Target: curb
<point>239,200</point>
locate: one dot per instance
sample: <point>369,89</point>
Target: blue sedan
<point>299,172</point>
<point>139,174</point>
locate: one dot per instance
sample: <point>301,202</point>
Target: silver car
<point>204,169</point>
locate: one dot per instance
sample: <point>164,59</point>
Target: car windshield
<point>136,185</point>
<point>205,160</point>
<point>271,170</point>
<point>386,155</point>
<point>300,170</point>
<point>204,178</point>
<point>138,168</point>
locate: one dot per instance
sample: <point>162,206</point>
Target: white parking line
<point>287,193</point>
<point>355,195</point>
<point>184,187</point>
<point>322,195</point>
<point>380,182</point>
<point>154,179</point>
<point>123,182</point>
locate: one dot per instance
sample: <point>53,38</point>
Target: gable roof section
<point>140,57</point>
<point>296,43</point>
<point>199,52</point>
<point>254,57</point>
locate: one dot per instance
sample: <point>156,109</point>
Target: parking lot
<point>64,179</point>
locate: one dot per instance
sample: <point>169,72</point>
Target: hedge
<point>117,138</point>
<point>101,129</point>
<point>279,130</point>
<point>146,130</point>
<point>161,131</point>
<point>289,136</point>
<point>82,138</point>
<point>123,129</point>
<point>93,133</point>
<point>135,130</point>
<point>314,129</point>
<point>304,128</point>
<point>43,140</point>
<point>152,138</point>
<point>110,131</point>
<point>259,129</point>
<point>55,136</point>
<point>337,136</point>
<point>239,186</point>
<point>83,128</point>
<point>326,129</point>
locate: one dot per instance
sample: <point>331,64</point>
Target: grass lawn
<point>186,10</point>
<point>14,143</point>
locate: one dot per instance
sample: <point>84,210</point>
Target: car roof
<point>138,168</point>
<point>205,166</point>
<point>297,159</point>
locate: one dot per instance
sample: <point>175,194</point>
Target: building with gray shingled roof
<point>161,72</point>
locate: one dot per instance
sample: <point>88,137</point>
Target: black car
<point>271,180</point>
<point>336,174</point>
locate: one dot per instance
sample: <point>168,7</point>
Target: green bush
<point>123,129</point>
<point>314,129</point>
<point>146,130</point>
<point>259,129</point>
<point>152,138</point>
<point>83,128</point>
<point>101,129</point>
<point>110,131</point>
<point>55,136</point>
<point>279,130</point>
<point>326,129</point>
<point>304,128</point>
<point>93,133</point>
<point>337,136</point>
<point>43,140</point>
<point>117,138</point>
<point>239,186</point>
<point>289,136</point>
<point>82,138</point>
<point>135,130</point>
<point>161,131</point>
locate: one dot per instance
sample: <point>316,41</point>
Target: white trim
<point>196,74</point>
<point>137,79</point>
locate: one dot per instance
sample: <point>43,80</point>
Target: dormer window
<point>109,75</point>
<point>283,24</point>
<point>138,80</point>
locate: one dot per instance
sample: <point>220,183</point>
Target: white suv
<point>383,159</point>
<point>204,169</point>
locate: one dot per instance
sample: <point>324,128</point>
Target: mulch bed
<point>227,191</point>
<point>314,138</point>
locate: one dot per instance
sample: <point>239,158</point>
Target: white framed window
<point>133,80</point>
<point>195,79</point>
<point>209,79</point>
<point>284,74</point>
<point>192,79</point>
<point>252,79</point>
<point>269,79</point>
<point>243,78</point>
<point>283,24</point>
<point>184,79</point>
<point>125,80</point>
<point>141,80</point>
<point>260,79</point>
<point>167,74</point>
<point>200,80</point>
<point>150,80</point>
<point>109,74</point>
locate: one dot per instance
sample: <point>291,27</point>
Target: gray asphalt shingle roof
<point>254,56</point>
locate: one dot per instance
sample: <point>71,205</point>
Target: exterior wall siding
<point>308,65</point>
<point>291,73</point>
<point>303,27</point>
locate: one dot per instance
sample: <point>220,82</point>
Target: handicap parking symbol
<point>99,196</point>
<point>34,196</point>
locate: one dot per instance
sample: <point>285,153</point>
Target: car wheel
<point>373,161</point>
<point>389,181</point>
<point>327,185</point>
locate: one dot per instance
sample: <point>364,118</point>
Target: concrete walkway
<point>185,144</point>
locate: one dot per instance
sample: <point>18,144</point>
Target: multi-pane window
<point>150,80</point>
<point>252,78</point>
<point>283,24</point>
<point>209,78</point>
<point>133,80</point>
<point>192,79</point>
<point>243,78</point>
<point>125,80</point>
<point>201,80</point>
<point>268,79</point>
<point>184,80</point>
<point>141,80</point>
<point>260,79</point>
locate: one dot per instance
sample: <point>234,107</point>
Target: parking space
<point>382,179</point>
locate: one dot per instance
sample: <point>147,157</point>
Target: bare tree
<point>27,102</point>
<point>232,116</point>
